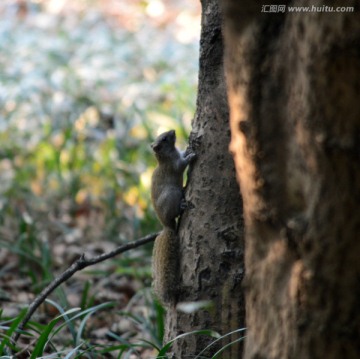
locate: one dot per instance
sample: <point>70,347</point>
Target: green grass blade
<point>66,318</point>
<point>219,339</point>
<point>73,351</point>
<point>43,339</point>
<point>227,346</point>
<point>119,339</point>
<point>151,344</point>
<point>84,312</point>
<point>82,327</point>
<point>160,325</point>
<point>113,348</point>
<point>85,295</point>
<point>168,345</point>
<point>6,341</point>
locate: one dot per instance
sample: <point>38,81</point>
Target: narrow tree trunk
<point>211,230</point>
<point>294,86</point>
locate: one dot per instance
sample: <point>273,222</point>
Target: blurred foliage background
<point>85,86</point>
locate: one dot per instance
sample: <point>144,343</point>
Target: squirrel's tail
<point>165,266</point>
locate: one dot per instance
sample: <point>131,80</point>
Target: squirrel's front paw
<point>183,204</point>
<point>190,156</point>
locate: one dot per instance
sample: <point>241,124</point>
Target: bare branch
<point>78,265</point>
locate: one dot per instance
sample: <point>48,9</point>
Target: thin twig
<point>79,264</point>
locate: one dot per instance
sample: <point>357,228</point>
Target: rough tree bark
<point>294,85</point>
<point>211,230</point>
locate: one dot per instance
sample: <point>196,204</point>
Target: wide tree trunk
<point>211,230</point>
<point>294,87</point>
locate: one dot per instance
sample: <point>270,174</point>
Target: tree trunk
<point>294,86</point>
<point>211,230</point>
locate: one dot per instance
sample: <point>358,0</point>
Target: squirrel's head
<point>164,142</point>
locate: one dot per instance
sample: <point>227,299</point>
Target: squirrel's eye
<point>164,139</point>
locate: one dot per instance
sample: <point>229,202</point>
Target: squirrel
<point>168,200</point>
